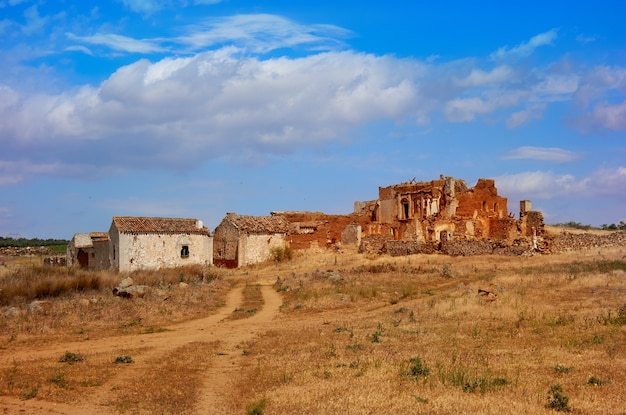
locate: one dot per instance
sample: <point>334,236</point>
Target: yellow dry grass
<point>492,335</point>
<point>364,319</point>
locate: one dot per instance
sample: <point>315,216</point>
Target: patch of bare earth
<point>199,360</point>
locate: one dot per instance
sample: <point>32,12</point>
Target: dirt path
<point>216,379</point>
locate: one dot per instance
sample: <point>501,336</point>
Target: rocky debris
<point>39,306</point>
<point>55,261</point>
<point>548,244</point>
<point>568,241</point>
<point>25,251</point>
<point>401,248</point>
<point>11,312</point>
<point>127,289</point>
<point>372,244</point>
<point>486,247</point>
<point>487,295</point>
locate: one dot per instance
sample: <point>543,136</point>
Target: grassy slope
<point>352,326</point>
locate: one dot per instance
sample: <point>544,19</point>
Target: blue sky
<point>195,108</point>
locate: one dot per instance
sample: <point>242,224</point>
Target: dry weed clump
<point>95,312</point>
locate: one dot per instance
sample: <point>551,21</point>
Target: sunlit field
<point>355,334</point>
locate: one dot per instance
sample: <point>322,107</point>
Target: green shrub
<point>256,408</point>
<point>417,368</point>
<point>595,381</point>
<point>280,254</point>
<point>558,400</point>
<point>562,369</point>
<point>70,358</point>
<point>123,359</point>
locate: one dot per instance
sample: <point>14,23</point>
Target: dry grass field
<point>323,333</point>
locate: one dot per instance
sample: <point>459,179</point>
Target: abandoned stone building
<point>153,243</point>
<point>321,230</point>
<point>443,215</point>
<point>89,250</point>
<point>425,215</point>
<point>435,216</point>
<point>243,240</point>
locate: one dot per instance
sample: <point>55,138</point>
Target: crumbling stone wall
<point>316,229</point>
<point>569,241</point>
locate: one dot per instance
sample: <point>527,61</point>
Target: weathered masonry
<point>444,215</point>
<point>89,250</point>
<point>152,243</point>
<point>243,240</point>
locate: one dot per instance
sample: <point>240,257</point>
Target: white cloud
<point>605,183</point>
<point>526,49</point>
<point>34,22</point>
<point>145,6</point>
<point>541,184</point>
<point>261,33</point>
<point>120,43</point>
<point>556,155</point>
<point>182,111</point>
<point>466,109</point>
<point>521,117</point>
<point>609,116</point>
<point>479,77</point>
<point>586,39</point>
<point>149,7</point>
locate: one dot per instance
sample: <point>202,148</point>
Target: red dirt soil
<point>216,379</point>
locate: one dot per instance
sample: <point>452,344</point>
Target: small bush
<point>595,381</point>
<point>484,384</point>
<point>618,319</point>
<point>123,359</point>
<point>562,369</point>
<point>280,254</point>
<point>70,358</point>
<point>446,270</point>
<point>417,368</point>
<point>256,408</point>
<point>558,400</point>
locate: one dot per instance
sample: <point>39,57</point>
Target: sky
<point>196,108</point>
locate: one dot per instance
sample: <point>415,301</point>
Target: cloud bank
<point>236,103</point>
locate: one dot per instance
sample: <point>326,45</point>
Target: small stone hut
<point>89,250</point>
<point>138,242</point>
<point>241,240</point>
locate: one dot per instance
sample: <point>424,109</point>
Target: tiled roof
<point>259,224</point>
<point>82,240</point>
<point>143,224</point>
<point>99,236</point>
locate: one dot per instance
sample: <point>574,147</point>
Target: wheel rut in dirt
<point>214,393</point>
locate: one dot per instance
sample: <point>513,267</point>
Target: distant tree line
<point>23,242</point>
<point>577,225</point>
<point>613,227</point>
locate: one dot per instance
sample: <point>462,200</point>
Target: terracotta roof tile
<point>259,224</point>
<point>144,224</point>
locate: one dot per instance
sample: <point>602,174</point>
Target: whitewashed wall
<point>257,248</point>
<point>154,251</point>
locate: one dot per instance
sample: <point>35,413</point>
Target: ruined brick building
<point>413,217</point>
<point>443,215</point>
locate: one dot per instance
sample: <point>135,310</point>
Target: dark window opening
<point>184,252</point>
<point>405,208</point>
